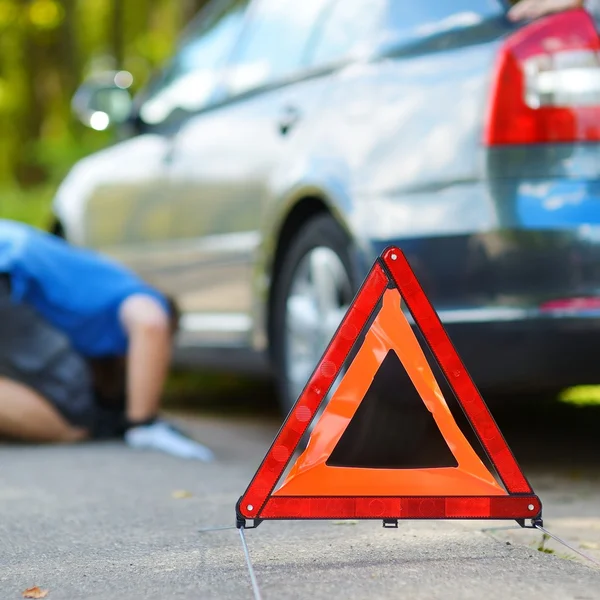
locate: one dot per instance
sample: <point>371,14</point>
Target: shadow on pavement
<point>542,431</point>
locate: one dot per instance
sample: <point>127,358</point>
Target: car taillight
<point>546,87</point>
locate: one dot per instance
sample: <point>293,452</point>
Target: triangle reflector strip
<point>340,476</point>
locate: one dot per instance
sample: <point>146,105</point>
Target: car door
<point>117,192</point>
<point>132,214</point>
<point>223,161</point>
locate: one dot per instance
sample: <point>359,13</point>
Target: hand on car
<point>532,9</point>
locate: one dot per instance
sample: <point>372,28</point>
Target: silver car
<point>263,169</point>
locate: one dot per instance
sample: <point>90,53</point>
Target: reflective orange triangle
<point>315,490</point>
<point>310,475</point>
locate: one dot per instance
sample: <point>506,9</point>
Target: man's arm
<point>148,329</point>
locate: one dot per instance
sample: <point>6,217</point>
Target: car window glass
<point>275,44</point>
<point>346,30</point>
<point>421,19</point>
<point>190,80</point>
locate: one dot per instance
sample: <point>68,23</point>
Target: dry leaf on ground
<point>35,592</point>
<point>180,494</point>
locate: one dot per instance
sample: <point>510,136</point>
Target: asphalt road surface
<point>103,522</point>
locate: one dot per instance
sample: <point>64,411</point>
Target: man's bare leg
<point>26,416</point>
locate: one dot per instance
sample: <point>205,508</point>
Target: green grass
<point>542,545</point>
<point>581,395</point>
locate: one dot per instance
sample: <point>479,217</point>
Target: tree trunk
<point>32,114</point>
<point>118,32</point>
<point>70,56</point>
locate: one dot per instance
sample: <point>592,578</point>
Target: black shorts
<point>37,355</point>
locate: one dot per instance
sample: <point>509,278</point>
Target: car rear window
<point>418,19</point>
<point>352,27</point>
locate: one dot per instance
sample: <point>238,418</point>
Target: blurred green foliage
<point>28,205</point>
<point>47,48</point>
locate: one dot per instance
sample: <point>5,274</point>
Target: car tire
<point>303,321</point>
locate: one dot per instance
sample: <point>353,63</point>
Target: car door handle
<point>289,118</point>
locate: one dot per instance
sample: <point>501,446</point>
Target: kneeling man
<point>72,321</point>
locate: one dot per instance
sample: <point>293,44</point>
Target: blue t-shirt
<point>75,290</point>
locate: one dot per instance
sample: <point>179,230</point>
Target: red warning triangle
<point>319,487</point>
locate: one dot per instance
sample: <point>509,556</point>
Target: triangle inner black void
<point>392,427</point>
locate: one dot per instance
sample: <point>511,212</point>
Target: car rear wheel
<point>313,292</point>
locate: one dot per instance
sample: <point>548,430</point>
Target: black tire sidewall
<point>320,231</point>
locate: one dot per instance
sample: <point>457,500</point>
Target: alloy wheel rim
<point>319,298</point>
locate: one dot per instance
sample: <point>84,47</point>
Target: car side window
<point>189,82</point>
<point>346,30</point>
<point>274,45</point>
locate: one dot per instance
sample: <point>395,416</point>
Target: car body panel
<point>391,145</point>
<point>100,201</point>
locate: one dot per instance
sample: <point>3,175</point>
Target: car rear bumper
<point>517,269</point>
<point>522,306</point>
